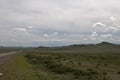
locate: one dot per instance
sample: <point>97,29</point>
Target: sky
<point>58,22</point>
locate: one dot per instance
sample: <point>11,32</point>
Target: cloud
<point>99,24</point>
<point>106,36</point>
<point>94,34</point>
<point>57,20</point>
<point>113,18</point>
<point>19,29</point>
<point>100,37</point>
<point>30,27</point>
<point>46,35</point>
<point>55,33</point>
<point>65,34</point>
<point>113,28</point>
<point>107,27</point>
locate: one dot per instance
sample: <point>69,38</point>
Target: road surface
<point>6,54</point>
<point>4,57</point>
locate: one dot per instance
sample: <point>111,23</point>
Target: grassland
<point>101,62</point>
<point>17,69</point>
<point>68,66</point>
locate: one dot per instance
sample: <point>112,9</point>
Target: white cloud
<point>113,28</point>
<point>118,26</point>
<point>108,27</point>
<point>99,24</point>
<point>30,27</point>
<point>19,29</point>
<point>113,18</point>
<point>55,33</point>
<point>106,36</point>
<point>46,35</point>
<point>65,34</point>
<point>58,40</point>
<point>99,37</point>
<point>94,34</point>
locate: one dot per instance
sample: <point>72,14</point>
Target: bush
<point>118,72</point>
<point>105,64</point>
<point>89,70</point>
<point>79,63</point>
<point>58,68</point>
<point>104,73</point>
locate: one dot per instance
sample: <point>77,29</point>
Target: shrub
<point>105,64</point>
<point>79,63</point>
<point>105,73</point>
<point>118,72</point>
<point>89,70</point>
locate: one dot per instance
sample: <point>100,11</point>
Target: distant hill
<point>99,44</point>
<point>103,47</point>
<point>106,43</point>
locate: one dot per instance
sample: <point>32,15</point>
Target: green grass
<point>62,66</point>
<point>17,69</point>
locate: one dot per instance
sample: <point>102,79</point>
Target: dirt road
<point>4,57</point>
<point>6,54</point>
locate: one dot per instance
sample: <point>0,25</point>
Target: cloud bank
<point>58,22</point>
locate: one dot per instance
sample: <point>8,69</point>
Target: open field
<point>64,63</point>
<point>68,66</point>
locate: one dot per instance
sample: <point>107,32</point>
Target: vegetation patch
<point>17,69</point>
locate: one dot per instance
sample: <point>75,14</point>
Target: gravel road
<point>4,57</point>
<point>6,54</point>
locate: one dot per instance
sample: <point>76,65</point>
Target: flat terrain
<point>75,66</point>
<point>91,62</point>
